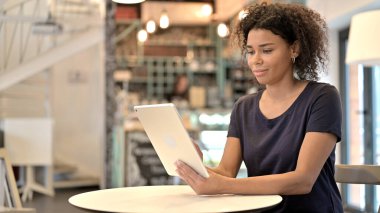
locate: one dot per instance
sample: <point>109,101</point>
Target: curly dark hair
<point>293,22</point>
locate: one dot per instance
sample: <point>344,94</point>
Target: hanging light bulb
<point>142,36</point>
<point>128,1</point>
<point>206,10</point>
<point>151,26</point>
<point>164,20</point>
<point>222,30</point>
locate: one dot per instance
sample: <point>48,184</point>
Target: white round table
<point>172,198</point>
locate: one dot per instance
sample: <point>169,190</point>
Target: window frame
<point>369,123</point>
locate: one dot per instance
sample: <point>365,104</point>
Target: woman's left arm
<point>315,150</point>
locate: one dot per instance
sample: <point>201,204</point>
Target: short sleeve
<point>233,129</point>
<point>326,112</point>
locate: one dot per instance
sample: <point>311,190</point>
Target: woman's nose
<point>255,60</point>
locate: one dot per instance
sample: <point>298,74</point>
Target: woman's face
<point>182,85</point>
<point>269,57</point>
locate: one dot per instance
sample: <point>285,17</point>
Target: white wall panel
<point>78,108</point>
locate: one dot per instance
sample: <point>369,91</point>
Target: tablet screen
<point>163,125</point>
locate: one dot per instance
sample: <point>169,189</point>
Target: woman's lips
<point>259,72</point>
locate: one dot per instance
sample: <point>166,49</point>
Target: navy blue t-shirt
<point>271,146</point>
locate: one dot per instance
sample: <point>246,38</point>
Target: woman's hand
<point>201,185</point>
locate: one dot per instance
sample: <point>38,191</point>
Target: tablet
<point>163,125</point>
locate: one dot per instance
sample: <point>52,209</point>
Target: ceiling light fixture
<point>151,26</point>
<point>164,20</point>
<point>48,27</point>
<point>142,36</point>
<point>206,10</point>
<point>128,1</point>
<point>222,30</point>
<point>363,40</point>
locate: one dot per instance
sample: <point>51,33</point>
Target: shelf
<point>203,58</point>
<point>138,80</point>
<point>161,79</point>
<point>125,21</point>
<point>203,72</point>
<point>200,43</point>
<point>160,71</point>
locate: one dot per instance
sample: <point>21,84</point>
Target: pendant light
<point>151,26</point>
<point>164,20</point>
<point>128,1</point>
<point>222,30</point>
<point>142,36</point>
<point>363,39</point>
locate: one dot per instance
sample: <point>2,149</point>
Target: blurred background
<point>72,70</point>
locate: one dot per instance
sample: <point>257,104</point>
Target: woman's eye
<point>250,53</point>
<point>267,51</point>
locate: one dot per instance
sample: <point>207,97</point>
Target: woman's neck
<point>284,90</point>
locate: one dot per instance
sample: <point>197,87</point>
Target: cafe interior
<point>71,72</point>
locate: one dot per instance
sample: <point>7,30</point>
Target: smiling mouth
<point>259,72</point>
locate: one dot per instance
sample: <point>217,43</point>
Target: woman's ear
<point>295,49</point>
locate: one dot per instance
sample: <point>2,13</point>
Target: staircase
<point>27,52</point>
<point>65,177</point>
<point>29,98</point>
<point>26,60</point>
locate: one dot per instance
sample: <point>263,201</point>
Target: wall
<point>338,14</point>
<point>332,74</point>
<point>78,110</point>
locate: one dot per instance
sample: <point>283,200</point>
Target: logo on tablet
<point>170,142</point>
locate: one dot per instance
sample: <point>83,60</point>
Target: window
<point>361,130</point>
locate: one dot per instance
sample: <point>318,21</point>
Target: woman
<point>180,89</point>
<point>285,134</point>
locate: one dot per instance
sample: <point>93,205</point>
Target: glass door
<point>376,95</point>
<point>355,135</point>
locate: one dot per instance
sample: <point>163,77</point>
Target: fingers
<point>191,177</point>
<point>182,174</point>
<point>187,173</point>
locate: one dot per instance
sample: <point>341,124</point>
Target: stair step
<point>15,96</point>
<point>25,90</point>
<point>60,169</point>
<point>22,113</point>
<point>76,182</point>
<point>38,79</point>
<point>21,103</point>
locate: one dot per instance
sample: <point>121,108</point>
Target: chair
<point>358,174</point>
<point>9,198</point>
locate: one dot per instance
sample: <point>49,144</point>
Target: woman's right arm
<point>231,160</point>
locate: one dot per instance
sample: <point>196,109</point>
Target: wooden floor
<point>57,204</point>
